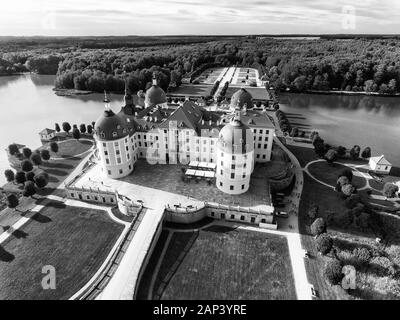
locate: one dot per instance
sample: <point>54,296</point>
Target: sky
<point>200,17</point>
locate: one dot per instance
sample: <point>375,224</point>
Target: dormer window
<point>118,127</point>
<point>102,134</point>
<point>114,134</point>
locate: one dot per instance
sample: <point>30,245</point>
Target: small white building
<point>47,134</point>
<point>380,164</point>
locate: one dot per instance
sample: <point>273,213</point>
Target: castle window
<point>117,152</point>
<point>231,188</point>
<point>109,172</point>
<point>104,144</point>
<point>242,218</point>
<point>263,156</point>
<point>265,146</point>
<point>126,148</point>
<point>261,131</point>
<point>106,153</point>
<point>103,135</point>
<point>108,161</point>
<point>220,184</point>
<point>232,176</point>
<point>114,134</point>
<point>116,144</point>
<point>118,160</point>
<point>233,167</point>
<point>259,145</point>
<point>242,186</point>
<point>120,171</point>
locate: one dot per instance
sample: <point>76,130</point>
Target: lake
<point>28,105</point>
<point>348,120</point>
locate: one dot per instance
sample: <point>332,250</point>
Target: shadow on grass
<point>19,234</point>
<point>220,229</point>
<point>57,165</point>
<point>41,218</point>
<point>56,172</point>
<point>185,247</point>
<point>6,256</point>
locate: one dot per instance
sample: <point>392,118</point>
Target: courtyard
<point>221,262</point>
<point>162,184</point>
<point>192,90</point>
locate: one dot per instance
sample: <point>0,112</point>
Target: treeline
<point>371,65</point>
<point>17,62</point>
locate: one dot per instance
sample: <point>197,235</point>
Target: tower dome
<point>236,137</point>
<point>241,98</point>
<point>155,95</point>
<point>110,126</point>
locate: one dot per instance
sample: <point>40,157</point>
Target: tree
<point>313,211</point>
<point>20,177</point>
<point>57,127</point>
<point>66,127</point>
<point>331,156</point>
<point>366,153</point>
<point>45,154</point>
<point>355,152</point>
<point>318,227</point>
<point>36,159</point>
<point>29,176</point>
<point>26,166</point>
<point>347,172</point>
<point>390,189</point>
<point>333,271</point>
<point>12,201</point>
<point>29,189</point>
<point>392,86</point>
<point>82,128</point>
<point>41,180</point>
<point>362,256</point>
<point>54,147</point>
<point>348,189</point>
<point>341,151</point>
<point>319,146</point>
<point>9,174</point>
<point>324,243</point>
<point>76,134</point>
<point>89,129</point>
<point>27,152</point>
<point>13,149</point>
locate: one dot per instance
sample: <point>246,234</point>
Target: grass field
<point>224,263</point>
<point>329,173</point>
<point>192,90</point>
<point>73,240</point>
<point>71,147</point>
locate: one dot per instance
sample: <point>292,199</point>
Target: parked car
<point>281,214</point>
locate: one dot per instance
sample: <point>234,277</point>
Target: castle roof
<point>241,98</point>
<point>110,126</point>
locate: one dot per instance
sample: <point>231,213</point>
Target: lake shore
<point>344,93</point>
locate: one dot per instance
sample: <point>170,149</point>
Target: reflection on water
<point>348,120</point>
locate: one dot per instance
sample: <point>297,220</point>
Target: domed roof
<point>110,126</point>
<point>127,114</point>
<point>155,95</point>
<point>240,98</point>
<point>236,138</point>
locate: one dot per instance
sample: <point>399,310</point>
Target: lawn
<point>73,240</point>
<point>71,147</point>
<point>328,173</point>
<point>371,284</point>
<point>224,263</point>
<point>193,90</point>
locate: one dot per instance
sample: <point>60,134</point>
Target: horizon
<point>22,18</point>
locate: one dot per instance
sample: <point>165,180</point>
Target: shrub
<point>333,271</point>
<point>45,154</point>
<point>362,256</point>
<point>355,152</point>
<point>342,180</point>
<point>76,134</point>
<point>382,267</point>
<point>41,180</point>
<point>13,149</point>
<point>54,147</point>
<point>12,201</point>
<point>313,211</point>
<point>390,189</point>
<point>362,221</point>
<point>324,243</point>
<point>318,227</point>
<point>331,156</point>
<point>9,174</point>
<point>20,177</point>
<point>26,166</point>
<point>29,189</point>
<point>347,173</point>
<point>348,189</point>
<point>30,176</point>
<point>341,151</point>
<point>27,152</point>
<point>366,153</point>
<point>36,159</point>
<point>66,127</point>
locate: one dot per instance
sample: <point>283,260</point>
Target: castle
<point>163,133</point>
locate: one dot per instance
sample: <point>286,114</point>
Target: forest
<point>351,64</point>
